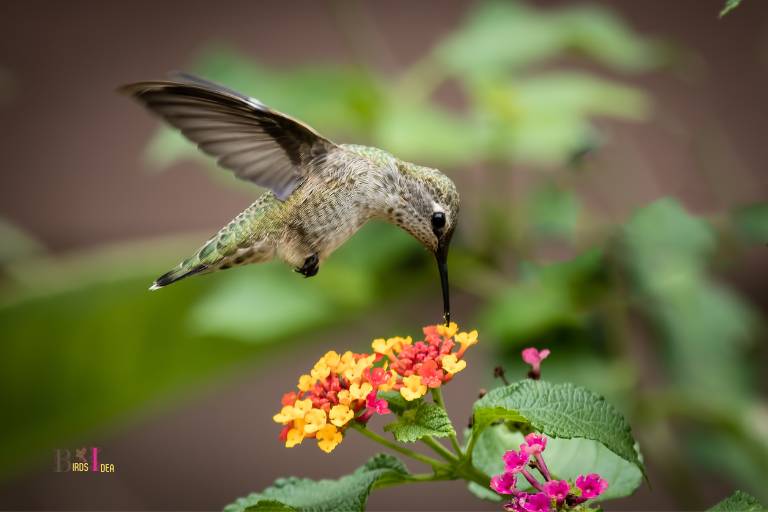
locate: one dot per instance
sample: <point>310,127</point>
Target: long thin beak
<point>442,265</point>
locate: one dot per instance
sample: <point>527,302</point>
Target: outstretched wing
<point>259,144</point>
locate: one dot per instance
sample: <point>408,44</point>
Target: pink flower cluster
<point>550,495</point>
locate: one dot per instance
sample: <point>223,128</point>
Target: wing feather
<point>259,144</point>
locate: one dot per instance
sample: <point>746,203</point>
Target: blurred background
<point>612,162</point>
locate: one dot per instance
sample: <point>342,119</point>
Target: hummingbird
<point>319,193</point>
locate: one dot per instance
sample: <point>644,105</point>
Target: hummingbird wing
<point>259,144</point>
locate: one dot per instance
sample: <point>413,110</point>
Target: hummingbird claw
<point>310,267</point>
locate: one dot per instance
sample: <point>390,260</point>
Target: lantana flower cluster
<point>551,494</point>
<point>344,388</point>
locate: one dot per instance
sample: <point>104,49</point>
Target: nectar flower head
<point>504,483</point>
<point>343,387</point>
<point>592,485</point>
<point>558,495</point>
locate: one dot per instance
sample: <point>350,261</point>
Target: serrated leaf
<point>566,458</point>
<point>739,501</point>
<point>559,411</point>
<point>427,419</point>
<point>348,493</point>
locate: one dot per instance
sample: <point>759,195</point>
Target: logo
<point>81,460</point>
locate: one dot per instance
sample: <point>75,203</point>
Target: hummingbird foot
<point>310,267</point>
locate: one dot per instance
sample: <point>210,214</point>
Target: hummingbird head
<point>432,214</point>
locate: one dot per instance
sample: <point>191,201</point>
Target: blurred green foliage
<point>531,82</point>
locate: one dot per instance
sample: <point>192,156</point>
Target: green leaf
<point>729,6</point>
<point>546,296</point>
<point>422,132</point>
<point>545,119</point>
<point>566,458</point>
<point>16,244</point>
<point>427,419</point>
<point>397,404</point>
<point>751,222</point>
<point>553,212</point>
<point>560,411</point>
<point>502,36</point>
<point>704,326</point>
<point>349,493</point>
<point>739,501</point>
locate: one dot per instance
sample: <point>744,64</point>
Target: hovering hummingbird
<point>320,193</point>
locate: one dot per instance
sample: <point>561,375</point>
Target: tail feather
<point>176,275</point>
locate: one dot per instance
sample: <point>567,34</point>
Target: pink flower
<point>517,503</point>
<point>380,406</point>
<point>557,490</point>
<point>504,483</point>
<point>515,461</point>
<point>538,502</point>
<point>592,485</point>
<point>534,358</point>
<point>534,444</point>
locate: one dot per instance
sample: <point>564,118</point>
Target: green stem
<point>437,395</point>
<point>414,479</point>
<point>440,449</point>
<point>370,434</point>
<point>471,445</point>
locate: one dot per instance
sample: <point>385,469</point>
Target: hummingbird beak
<point>442,265</point>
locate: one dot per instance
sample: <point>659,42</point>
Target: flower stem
<point>414,479</point>
<point>370,434</point>
<point>440,449</point>
<point>437,395</point>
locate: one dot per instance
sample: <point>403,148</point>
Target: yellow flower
<point>295,435</point>
<point>328,438</point>
<point>466,340</point>
<point>447,331</point>
<point>355,371</point>
<point>343,396</point>
<point>321,370</point>
<point>382,346</point>
<point>346,360</point>
<point>397,342</point>
<point>301,407</point>
<point>315,420</point>
<point>340,415</point>
<point>305,383</point>
<point>332,359</point>
<point>360,391</point>
<point>285,415</point>
<point>453,365</point>
<point>379,345</point>
<point>413,388</point>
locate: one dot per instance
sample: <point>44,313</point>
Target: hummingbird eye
<point>438,221</point>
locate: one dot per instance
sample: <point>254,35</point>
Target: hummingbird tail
<point>175,275</point>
